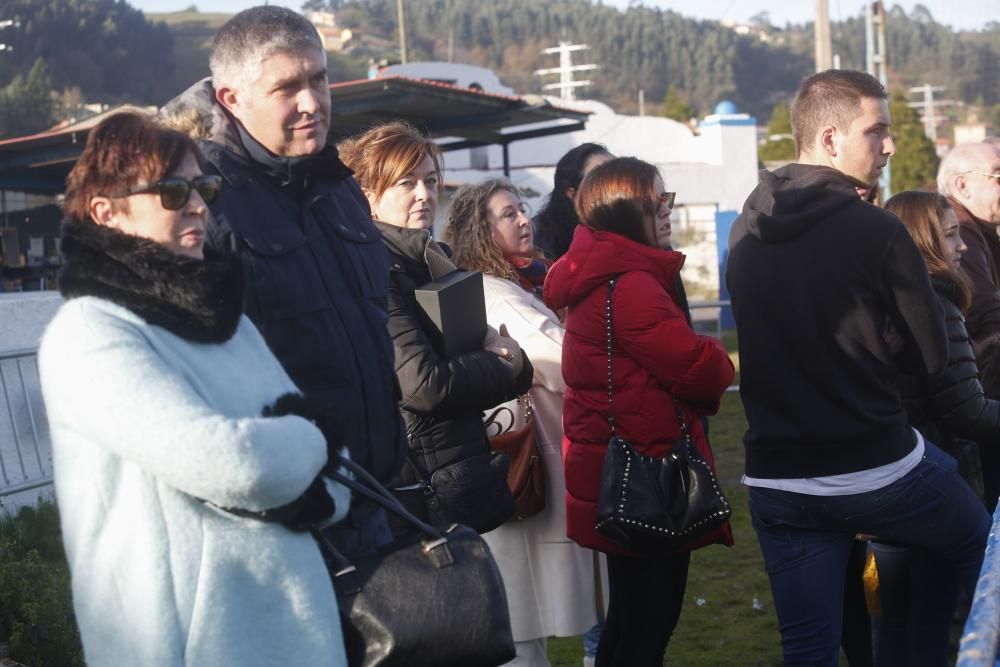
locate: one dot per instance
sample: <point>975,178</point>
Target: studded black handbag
<point>653,505</point>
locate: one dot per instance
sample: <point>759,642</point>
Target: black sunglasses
<point>175,191</point>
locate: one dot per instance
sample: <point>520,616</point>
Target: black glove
<point>321,413</point>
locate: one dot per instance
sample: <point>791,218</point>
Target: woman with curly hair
<point>549,579</point>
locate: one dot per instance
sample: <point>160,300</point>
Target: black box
<point>456,308</point>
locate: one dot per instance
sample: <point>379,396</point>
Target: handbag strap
<point>366,485</point>
<point>611,405</point>
<point>607,319</point>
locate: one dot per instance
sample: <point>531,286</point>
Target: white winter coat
<point>549,579</point>
<point>144,424</point>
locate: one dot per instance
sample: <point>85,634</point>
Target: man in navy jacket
<point>316,267</point>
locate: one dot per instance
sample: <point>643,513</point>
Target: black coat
<point>442,399</point>
<point>317,278</point>
<point>949,406</point>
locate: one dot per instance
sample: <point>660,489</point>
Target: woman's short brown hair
<point>123,150</point>
<point>618,197</point>
<point>384,154</point>
<point>470,233</point>
<point>921,213</point>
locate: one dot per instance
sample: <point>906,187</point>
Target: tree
<point>779,145</point>
<point>915,164</point>
<point>27,102</point>
<point>675,106</point>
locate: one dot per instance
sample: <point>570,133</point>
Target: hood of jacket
<point>594,257</point>
<point>197,113</point>
<point>790,200</point>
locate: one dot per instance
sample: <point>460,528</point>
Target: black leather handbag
<point>653,505</point>
<point>472,492</point>
<point>435,600</point>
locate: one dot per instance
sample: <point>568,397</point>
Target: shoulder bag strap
<point>607,319</point>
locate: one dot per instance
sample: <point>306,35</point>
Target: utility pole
<point>566,85</point>
<point>402,31</point>
<point>877,63</point>
<point>821,33</point>
<point>927,107</point>
<point>642,102</point>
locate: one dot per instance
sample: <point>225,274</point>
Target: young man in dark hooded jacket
<point>817,276</point>
<point>317,271</point>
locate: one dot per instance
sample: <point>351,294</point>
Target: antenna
<point>566,85</point>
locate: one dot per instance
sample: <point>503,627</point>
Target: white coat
<point>549,579</point>
<point>145,425</point>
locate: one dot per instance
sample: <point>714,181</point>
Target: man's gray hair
<point>961,160</point>
<point>254,34</point>
<point>951,166</point>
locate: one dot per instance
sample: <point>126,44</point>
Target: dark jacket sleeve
<point>914,307</point>
<point>983,318</point>
<point>956,395</point>
<point>431,384</point>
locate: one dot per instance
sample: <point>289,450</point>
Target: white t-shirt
<point>849,483</point>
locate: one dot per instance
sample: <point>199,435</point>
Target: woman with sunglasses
<point>185,510</point>
<point>659,368</point>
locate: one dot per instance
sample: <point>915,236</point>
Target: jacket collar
<point>415,246</point>
<point>198,300</point>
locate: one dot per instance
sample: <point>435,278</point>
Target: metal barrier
<point>697,305</point>
<point>25,446</point>
<point>982,630</point>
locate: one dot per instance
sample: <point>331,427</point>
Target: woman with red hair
<point>660,367</point>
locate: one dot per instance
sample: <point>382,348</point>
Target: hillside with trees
<point>106,51</point>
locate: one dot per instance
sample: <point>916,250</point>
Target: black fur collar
<point>198,300</point>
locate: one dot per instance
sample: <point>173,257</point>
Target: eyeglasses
<point>984,173</point>
<point>175,191</point>
<point>667,199</point>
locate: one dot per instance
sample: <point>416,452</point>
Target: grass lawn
<point>720,624</point>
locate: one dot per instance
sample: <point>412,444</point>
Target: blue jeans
<point>806,541</point>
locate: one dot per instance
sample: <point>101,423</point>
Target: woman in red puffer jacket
<point>625,234</point>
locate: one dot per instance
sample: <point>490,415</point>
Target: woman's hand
<point>501,344</point>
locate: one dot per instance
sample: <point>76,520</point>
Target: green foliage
<point>26,102</point>
<point>915,164</point>
<point>36,612</point>
<point>649,48</point>
<point>104,47</point>
<point>779,145</point>
<point>675,106</point>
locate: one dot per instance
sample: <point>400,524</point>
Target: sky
<point>962,14</point>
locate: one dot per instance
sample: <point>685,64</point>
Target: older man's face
<point>287,108</point>
<point>982,185</point>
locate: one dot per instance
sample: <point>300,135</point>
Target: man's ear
<point>570,193</point>
<point>228,97</point>
<point>961,187</point>
<point>828,140</point>
<point>101,212</point>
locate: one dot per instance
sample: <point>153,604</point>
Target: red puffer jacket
<point>657,357</point>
